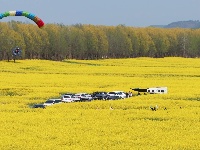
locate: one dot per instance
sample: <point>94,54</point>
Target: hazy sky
<point>138,13</point>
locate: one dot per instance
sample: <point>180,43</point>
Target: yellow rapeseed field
<point>131,125</point>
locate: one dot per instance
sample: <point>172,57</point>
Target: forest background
<point>59,42</point>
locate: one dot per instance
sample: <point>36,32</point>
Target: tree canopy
<point>58,41</point>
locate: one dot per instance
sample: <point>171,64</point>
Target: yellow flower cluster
<point>130,124</point>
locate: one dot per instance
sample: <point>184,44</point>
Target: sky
<point>137,13</point>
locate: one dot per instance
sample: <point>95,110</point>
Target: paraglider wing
<point>31,16</point>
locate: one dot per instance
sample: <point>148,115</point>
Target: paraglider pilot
<point>16,51</point>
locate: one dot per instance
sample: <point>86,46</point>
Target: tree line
<point>59,42</point>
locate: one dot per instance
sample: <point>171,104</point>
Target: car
<point>117,93</point>
<point>86,97</point>
<point>121,94</point>
<point>77,97</point>
<point>67,99</point>
<point>39,106</point>
<point>49,102</point>
<point>113,97</point>
<point>100,95</point>
<point>111,93</point>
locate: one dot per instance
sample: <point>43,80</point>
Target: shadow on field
<point>81,63</point>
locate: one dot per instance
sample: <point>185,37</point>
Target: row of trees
<point>58,42</point>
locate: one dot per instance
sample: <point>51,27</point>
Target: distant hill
<point>180,24</point>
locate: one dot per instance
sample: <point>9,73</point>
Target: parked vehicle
<point>121,94</point>
<point>113,97</point>
<point>49,102</point>
<point>111,93</point>
<point>86,97</point>
<point>39,106</point>
<point>157,90</point>
<point>77,97</point>
<point>151,90</point>
<point>67,98</point>
<point>100,95</point>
